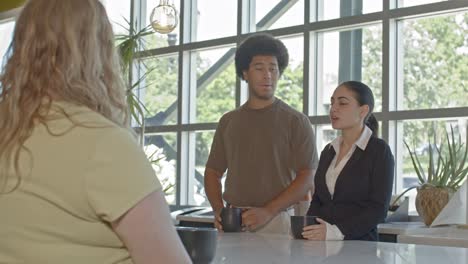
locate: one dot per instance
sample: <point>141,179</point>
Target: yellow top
<point>81,178</point>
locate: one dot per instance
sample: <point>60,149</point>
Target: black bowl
<point>200,242</point>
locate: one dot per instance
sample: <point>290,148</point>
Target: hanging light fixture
<point>164,17</point>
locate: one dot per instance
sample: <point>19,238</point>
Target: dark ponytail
<point>364,96</point>
<point>373,124</point>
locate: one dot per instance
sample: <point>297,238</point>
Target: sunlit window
<point>159,91</point>
<point>414,59</point>
<point>119,14</point>
<point>210,19</point>
<point>266,14</point>
<point>213,92</point>
<point>349,55</point>
<point>434,62</point>
<point>6,33</point>
<point>161,150</point>
<point>332,9</point>
<point>407,3</point>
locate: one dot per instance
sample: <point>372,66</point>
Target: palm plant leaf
<point>129,45</point>
<point>136,109</point>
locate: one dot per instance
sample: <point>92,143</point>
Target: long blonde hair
<point>61,49</point>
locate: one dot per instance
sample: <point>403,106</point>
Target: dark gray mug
<point>231,219</point>
<point>298,222</point>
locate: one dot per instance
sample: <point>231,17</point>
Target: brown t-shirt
<point>262,149</point>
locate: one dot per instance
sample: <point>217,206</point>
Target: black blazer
<point>362,191</point>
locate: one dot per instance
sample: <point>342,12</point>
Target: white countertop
<point>451,236</point>
<point>406,232</point>
<point>398,228</point>
<point>243,248</point>
<point>201,216</point>
<point>418,233</point>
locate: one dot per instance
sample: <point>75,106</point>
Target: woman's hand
<point>316,232</point>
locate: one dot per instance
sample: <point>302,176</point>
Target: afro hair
<point>260,44</point>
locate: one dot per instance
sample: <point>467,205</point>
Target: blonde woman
<point>75,186</point>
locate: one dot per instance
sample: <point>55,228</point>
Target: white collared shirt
<point>334,170</point>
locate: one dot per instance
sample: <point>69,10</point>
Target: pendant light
<point>163,18</point>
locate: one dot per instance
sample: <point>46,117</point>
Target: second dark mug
<point>231,219</point>
<point>298,222</point>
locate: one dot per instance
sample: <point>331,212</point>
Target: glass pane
<point>350,55</point>
<point>290,85</point>
<point>332,9</point>
<point>6,33</point>
<point>214,19</point>
<point>406,3</point>
<point>216,83</point>
<point>161,150</point>
<point>435,62</point>
<point>158,40</point>
<point>202,150</point>
<point>160,95</point>
<point>417,133</point>
<point>278,14</point>
<point>118,13</point>
<point>325,134</point>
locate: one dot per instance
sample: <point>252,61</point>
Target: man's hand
<point>256,217</point>
<point>217,220</point>
<point>316,232</point>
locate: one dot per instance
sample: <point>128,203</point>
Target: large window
<point>210,19</point>
<point>290,86</point>
<point>160,89</point>
<point>415,60</point>
<point>412,53</point>
<point>332,9</point>
<point>271,14</point>
<point>434,62</point>
<point>6,31</point>
<point>354,54</point>
<point>119,14</point>
<point>161,150</point>
<point>212,92</point>
<point>407,3</point>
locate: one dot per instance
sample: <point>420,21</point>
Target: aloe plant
<point>448,171</point>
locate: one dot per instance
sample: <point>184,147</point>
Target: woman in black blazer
<point>354,178</point>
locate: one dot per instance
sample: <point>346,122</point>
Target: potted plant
<point>446,171</point>
<point>128,45</point>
